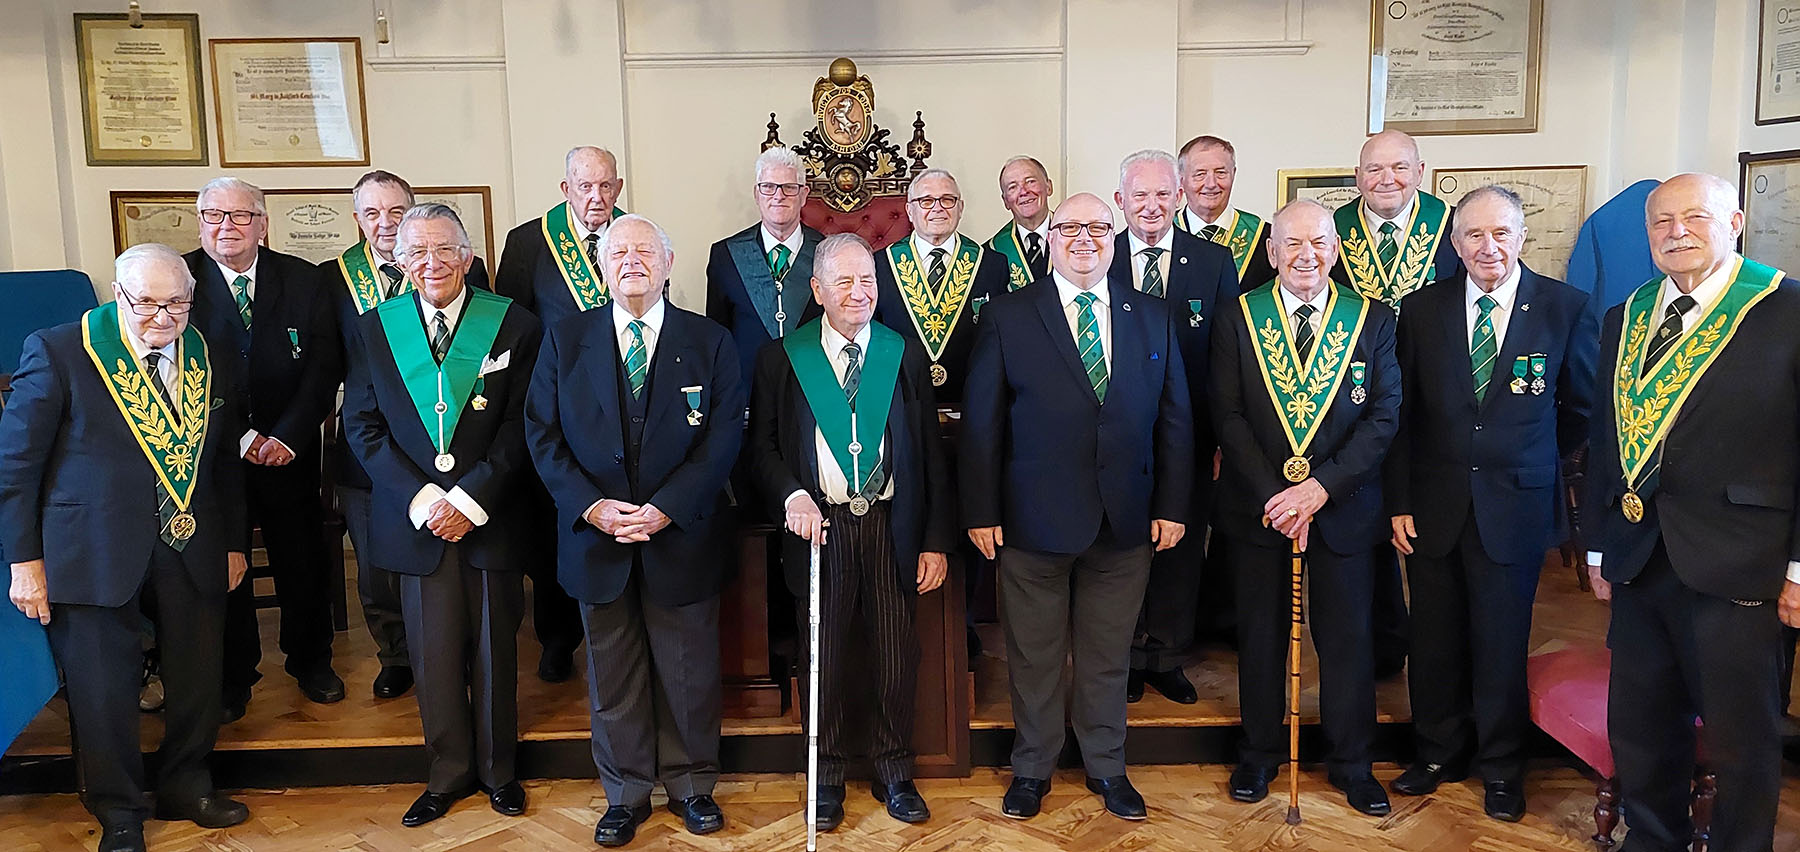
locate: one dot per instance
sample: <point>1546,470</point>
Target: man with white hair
<point>635,419</point>
<point>756,279</point>
<point>435,410</point>
<point>274,338</point>
<point>120,487</point>
<point>1025,191</point>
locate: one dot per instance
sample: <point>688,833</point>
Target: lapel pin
<point>1525,307</point>
<point>1183,260</point>
<point>1127,306</point>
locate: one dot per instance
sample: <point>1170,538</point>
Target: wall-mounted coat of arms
<point>849,160</point>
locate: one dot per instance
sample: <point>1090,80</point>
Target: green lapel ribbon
<point>172,444</point>
<point>1302,394</point>
<point>1415,265</point>
<point>841,426</point>
<point>440,391</point>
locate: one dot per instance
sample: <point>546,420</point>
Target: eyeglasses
<point>1074,229</point>
<point>444,254</point>
<point>787,190</point>
<point>929,202</point>
<point>213,216</point>
<point>177,308</point>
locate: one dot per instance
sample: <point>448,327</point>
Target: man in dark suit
<point>1196,277</point>
<point>1690,512</point>
<point>1025,191</point>
<point>1077,459</point>
<point>623,421</point>
<point>1471,489</point>
<point>1306,398</point>
<point>435,411</point>
<point>757,279</point>
<point>882,518</point>
<point>273,331</point>
<point>551,268</point>
<point>120,488</point>
<point>1208,168</point>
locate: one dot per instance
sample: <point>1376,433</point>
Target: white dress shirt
<point>1503,296</point>
<point>419,510</point>
<point>793,241</point>
<point>1195,223</point>
<point>1067,291</point>
<point>1042,230</point>
<point>922,252</point>
<point>833,481</point>
<point>652,320</point>
<point>1400,220</point>
<point>1167,244</point>
<point>165,368</point>
<point>1291,302</point>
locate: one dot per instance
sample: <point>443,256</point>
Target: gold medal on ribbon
<point>939,375</point>
<point>1633,507</point>
<point>1296,469</point>
<point>182,526</point>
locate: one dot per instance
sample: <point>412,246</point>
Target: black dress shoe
<point>1504,800</point>
<point>1364,794</point>
<point>1122,799</point>
<point>211,811</point>
<point>619,824</point>
<point>430,806</point>
<point>321,685</point>
<point>1174,685</point>
<point>508,799</point>
<point>1388,668</point>
<point>1250,783</point>
<point>830,812</point>
<point>903,801</point>
<point>236,703</point>
<point>556,666</point>
<point>393,682</point>
<point>1134,686</point>
<point>123,837</point>
<point>1422,779</point>
<point>974,648</point>
<point>1024,797</point>
<point>700,814</point>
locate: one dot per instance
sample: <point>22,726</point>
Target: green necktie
<point>778,261</point>
<point>240,290</point>
<point>1212,232</point>
<point>1153,278</point>
<point>1303,332</point>
<point>637,359</point>
<point>440,337</point>
<point>165,504</point>
<point>1482,346</point>
<point>934,277</point>
<point>1386,248</point>
<point>394,277</point>
<point>1087,339</point>
<point>852,372</point>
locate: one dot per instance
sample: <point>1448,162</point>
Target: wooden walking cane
<point>1293,812</point>
<point>812,706</point>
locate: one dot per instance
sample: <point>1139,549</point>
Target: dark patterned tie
<point>1668,332</point>
<point>394,277</point>
<point>1386,247</point>
<point>593,250</point>
<point>1034,251</point>
<point>1091,348</point>
<point>1483,346</point>
<point>240,292</point>
<point>934,277</point>
<point>1212,232</point>
<point>153,364</point>
<point>1303,331</point>
<point>1153,277</point>
<point>852,372</point>
<point>440,337</point>
<point>165,504</point>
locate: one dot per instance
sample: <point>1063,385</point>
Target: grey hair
<point>1495,191</point>
<point>578,150</point>
<point>1297,204</point>
<point>220,184</point>
<point>834,245</point>
<point>780,156</point>
<point>1148,155</point>
<point>428,211</point>
<point>605,246</point>
<point>1023,158</point>
<point>931,173</point>
<point>129,263</point>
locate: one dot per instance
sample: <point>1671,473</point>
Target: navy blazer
<point>1346,454</point>
<point>383,428</point>
<point>991,279</point>
<point>1041,456</point>
<point>740,291</point>
<point>574,425</point>
<point>784,458</point>
<point>1445,263</point>
<point>1201,270</point>
<point>77,492</point>
<point>531,277</point>
<point>1499,458</point>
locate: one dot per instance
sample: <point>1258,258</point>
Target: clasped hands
<point>1290,512</point>
<point>627,523</point>
<point>268,452</point>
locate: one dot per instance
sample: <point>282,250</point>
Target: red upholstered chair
<point>1568,701</point>
<point>882,221</point>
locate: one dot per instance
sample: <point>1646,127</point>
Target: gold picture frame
<point>142,102</point>
<point>290,102</point>
<point>1420,81</point>
<point>1555,202</point>
<point>1326,186</point>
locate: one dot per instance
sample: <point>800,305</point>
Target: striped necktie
<point>1386,247</point>
<point>1303,332</point>
<point>637,359</point>
<point>1668,332</point>
<point>1482,346</point>
<point>934,277</point>
<point>1212,232</point>
<point>852,372</point>
<point>1153,277</point>
<point>240,290</point>
<point>593,250</point>
<point>394,277</point>
<point>779,258</point>
<point>1087,339</point>
<point>440,336</point>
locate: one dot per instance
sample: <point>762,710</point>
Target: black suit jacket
<point>574,424</point>
<point>1444,262</point>
<point>738,280</point>
<point>1724,503</point>
<point>1198,269</point>
<point>77,492</point>
<point>489,445</point>
<point>1346,454</point>
<point>1041,456</point>
<point>783,458</point>
<point>1499,458</point>
<point>287,365</point>
<point>991,278</point>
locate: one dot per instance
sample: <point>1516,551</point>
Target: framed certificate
<point>140,90</point>
<point>318,224</point>
<point>155,217</point>
<point>1778,62</point>
<point>1555,200</point>
<point>1769,185</point>
<point>290,102</point>
<point>1452,66</point>
<point>1330,187</point>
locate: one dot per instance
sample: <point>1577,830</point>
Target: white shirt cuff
<point>244,443</point>
<point>798,492</point>
<point>419,510</point>
<point>467,505</point>
<point>1593,558</point>
<point>1793,574</point>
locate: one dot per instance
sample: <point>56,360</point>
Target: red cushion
<point>1568,701</point>
<point>882,221</point>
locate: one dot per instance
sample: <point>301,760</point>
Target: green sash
<point>172,447</point>
<point>368,287</point>
<point>1006,242</point>
<point>1302,396</point>
<point>841,426</point>
<point>934,315</point>
<point>440,391</point>
<point>1645,406</point>
<point>1414,266</point>
<point>586,284</point>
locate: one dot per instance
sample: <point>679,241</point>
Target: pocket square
<point>492,364</point>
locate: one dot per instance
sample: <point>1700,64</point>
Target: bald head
<point>1083,256</point>
<point>1303,246</point>
<point>1388,172</point>
<point>1693,222</point>
<point>591,184</point>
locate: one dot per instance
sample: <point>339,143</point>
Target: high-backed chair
<point>37,300</point>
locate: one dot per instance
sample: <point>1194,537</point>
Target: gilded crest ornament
<point>849,159</point>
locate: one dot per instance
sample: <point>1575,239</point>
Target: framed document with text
<point>155,217</point>
<point>1778,62</point>
<point>1769,185</point>
<point>1450,66</point>
<point>290,102</point>
<point>1555,200</point>
<point>140,90</point>
<point>1330,187</point>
